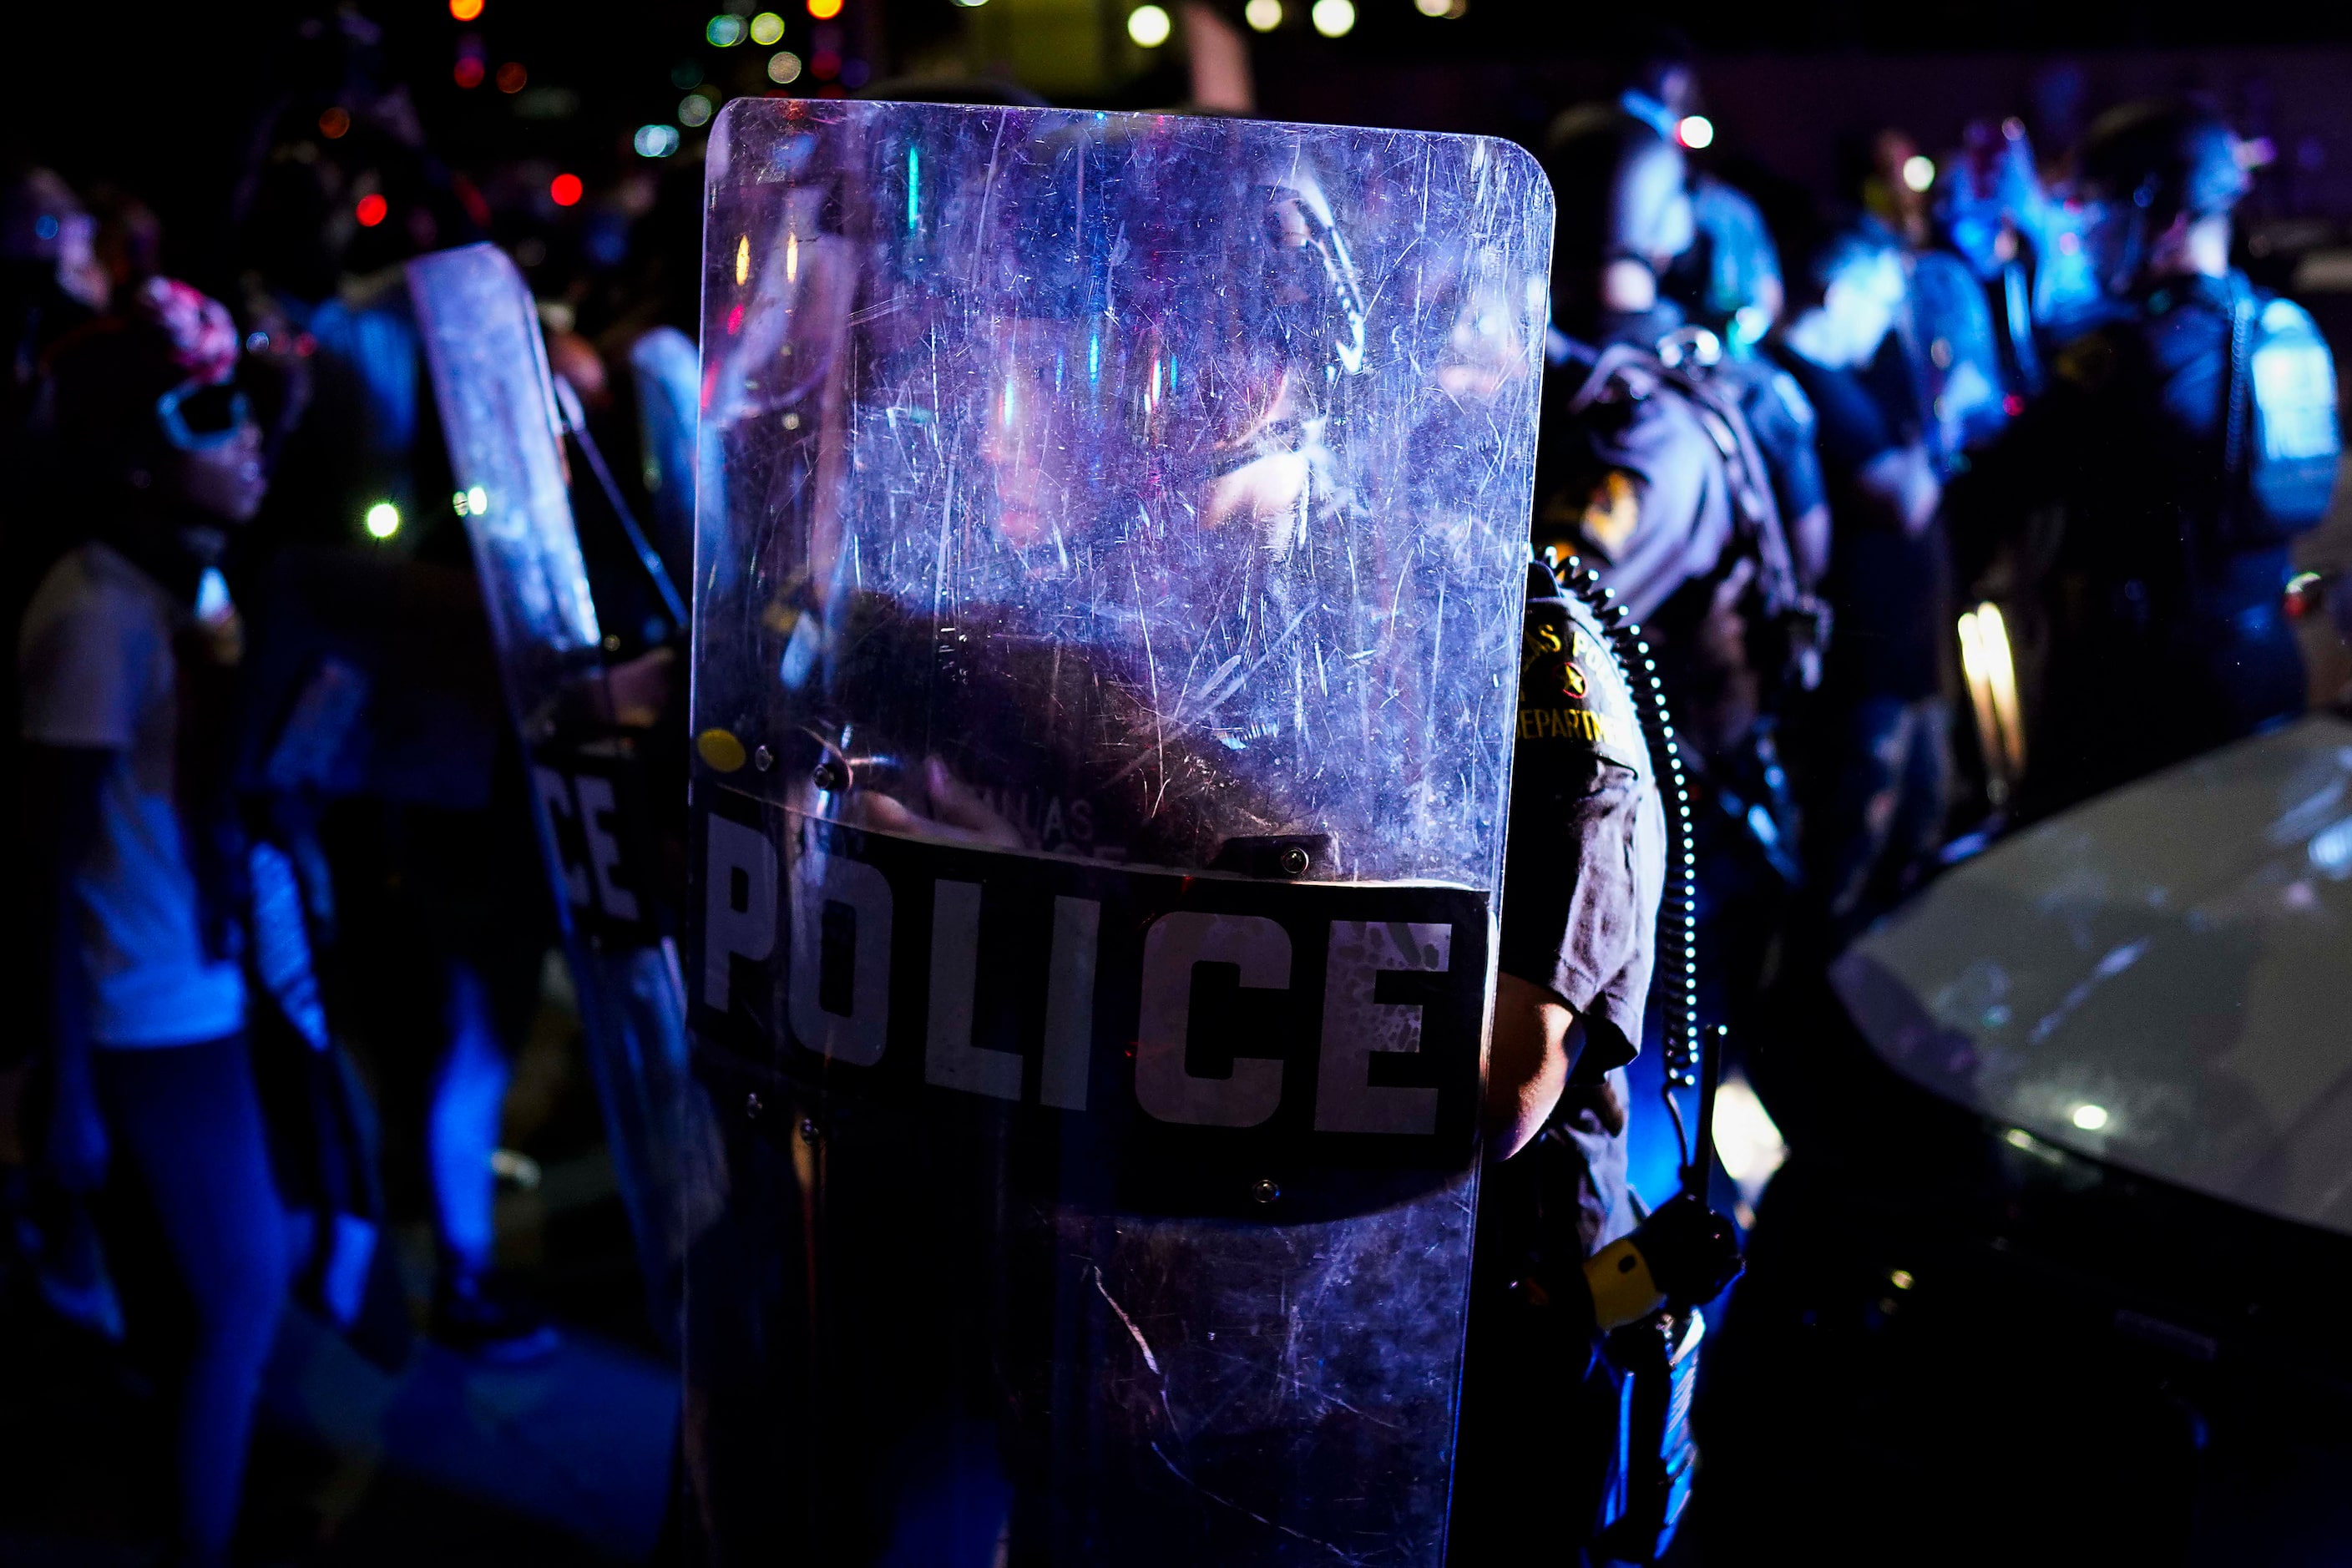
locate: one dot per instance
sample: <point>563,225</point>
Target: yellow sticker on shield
<point>1612,511</point>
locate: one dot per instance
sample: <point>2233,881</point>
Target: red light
<point>372,210</point>
<point>564,190</point>
<point>465,10</point>
<point>512,75</point>
<point>825,64</point>
<point>334,122</point>
<point>468,73</point>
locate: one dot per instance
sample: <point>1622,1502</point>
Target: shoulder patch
<point>1572,692</point>
<point>1612,513</point>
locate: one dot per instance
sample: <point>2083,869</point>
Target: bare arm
<point>1528,1064</point>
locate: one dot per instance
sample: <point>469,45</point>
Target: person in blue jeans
<point>125,656</point>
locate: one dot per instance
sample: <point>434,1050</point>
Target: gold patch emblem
<point>1612,513</point>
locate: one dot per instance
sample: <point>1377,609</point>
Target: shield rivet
<point>1264,1190</point>
<point>764,759</point>
<point>752,1106</point>
<point>830,776</point>
<point>1294,861</point>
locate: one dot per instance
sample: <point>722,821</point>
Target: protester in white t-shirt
<point>144,1014</point>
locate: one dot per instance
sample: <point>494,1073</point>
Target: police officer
<point>2185,442</point>
<point>1731,283</point>
<point>1583,882</point>
<point>1650,472</point>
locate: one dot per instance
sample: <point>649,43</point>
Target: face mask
<point>198,418</point>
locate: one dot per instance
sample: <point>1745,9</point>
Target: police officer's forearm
<point>1528,1065</point>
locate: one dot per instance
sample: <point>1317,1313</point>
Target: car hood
<point>2160,979</point>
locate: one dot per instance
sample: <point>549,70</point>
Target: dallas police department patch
<point>1571,689</point>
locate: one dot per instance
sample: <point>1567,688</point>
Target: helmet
<point>2146,164</point>
<point>2165,158</point>
<point>1623,190</point>
<point>1739,286</point>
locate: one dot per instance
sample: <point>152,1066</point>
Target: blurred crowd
<point>1817,440</point>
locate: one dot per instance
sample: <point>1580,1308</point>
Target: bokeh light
<point>1694,132</point>
<point>1265,16</point>
<point>824,10</point>
<point>465,10</point>
<point>469,72</point>
<point>372,210</point>
<point>383,520</point>
<point>334,122</point>
<point>1149,26</point>
<point>972,5</point>
<point>656,140</point>
<point>1333,18</point>
<point>565,190</point>
<point>511,76</point>
<point>1918,170</point>
<point>2089,1118</point>
<point>766,28</point>
<point>784,68</point>
<point>724,32</point>
<point>686,74</point>
<point>693,109</point>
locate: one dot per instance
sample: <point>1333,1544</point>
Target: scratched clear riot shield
<point>1112,532</point>
<point>586,733</point>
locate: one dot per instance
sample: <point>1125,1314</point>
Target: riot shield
<point>585,748</point>
<point>661,364</point>
<point>1110,551</point>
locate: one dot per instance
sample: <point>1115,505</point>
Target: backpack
<point>2283,441</point>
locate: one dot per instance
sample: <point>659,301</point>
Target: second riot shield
<point>1112,543</point>
<point>586,731</point>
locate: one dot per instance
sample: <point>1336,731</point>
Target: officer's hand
<point>638,693</point>
<point>955,811</point>
<point>1684,1253</point>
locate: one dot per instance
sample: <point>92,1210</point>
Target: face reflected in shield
<point>1030,432</point>
<point>1210,410</point>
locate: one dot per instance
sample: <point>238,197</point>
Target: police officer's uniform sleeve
<point>1586,861</point>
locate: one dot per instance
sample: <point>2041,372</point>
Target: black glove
<point>1684,1253</point>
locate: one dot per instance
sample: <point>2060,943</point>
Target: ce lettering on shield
<point>583,814</point>
<point>836,905</point>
